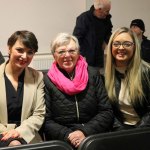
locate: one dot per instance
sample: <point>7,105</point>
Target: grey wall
<point>123,11</point>
<point>45,18</point>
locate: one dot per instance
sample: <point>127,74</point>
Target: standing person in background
<point>2,60</point>
<point>22,105</point>
<point>138,26</point>
<point>127,80</point>
<point>93,29</point>
<point>77,104</point>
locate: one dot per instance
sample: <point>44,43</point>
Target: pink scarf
<point>66,85</point>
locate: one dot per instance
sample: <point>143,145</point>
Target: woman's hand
<point>10,134</point>
<point>14,143</point>
<point>76,138</point>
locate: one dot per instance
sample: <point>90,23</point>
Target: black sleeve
<point>144,108</point>
<point>145,121</point>
<point>109,27</point>
<point>80,30</point>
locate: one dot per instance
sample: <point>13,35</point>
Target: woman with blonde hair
<point>127,80</point>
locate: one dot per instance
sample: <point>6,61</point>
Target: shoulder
<point>145,70</point>
<point>36,74</point>
<point>109,17</point>
<point>47,80</point>
<point>94,73</point>
<point>93,70</point>
<point>86,15</point>
<point>145,40</point>
<point>107,20</point>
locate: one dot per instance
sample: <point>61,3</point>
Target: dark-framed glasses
<point>63,52</point>
<point>125,44</point>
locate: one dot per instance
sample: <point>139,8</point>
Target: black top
<point>14,99</point>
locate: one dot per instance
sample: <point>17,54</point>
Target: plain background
<point>46,18</point>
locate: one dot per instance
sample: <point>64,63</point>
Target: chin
<point>68,69</point>
<point>21,65</point>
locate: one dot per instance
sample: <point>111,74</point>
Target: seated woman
<point>127,80</point>
<point>22,104</point>
<point>77,103</point>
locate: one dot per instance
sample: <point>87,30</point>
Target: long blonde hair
<point>133,78</point>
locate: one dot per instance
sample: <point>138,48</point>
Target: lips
<point>121,53</point>
<point>22,62</point>
<point>67,61</point>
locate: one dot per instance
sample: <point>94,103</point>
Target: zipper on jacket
<point>77,107</point>
<point>76,101</point>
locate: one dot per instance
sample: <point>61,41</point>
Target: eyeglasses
<point>125,44</point>
<point>63,53</point>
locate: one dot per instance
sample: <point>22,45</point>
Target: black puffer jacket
<point>88,111</point>
<point>141,108</point>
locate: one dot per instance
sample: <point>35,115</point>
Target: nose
<point>121,47</point>
<point>67,54</point>
<point>24,55</point>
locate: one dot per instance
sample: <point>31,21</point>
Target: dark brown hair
<point>26,37</point>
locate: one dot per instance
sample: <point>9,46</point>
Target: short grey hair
<point>63,39</point>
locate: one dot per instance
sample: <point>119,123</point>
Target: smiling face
<point>20,56</point>
<point>66,56</point>
<point>123,52</point>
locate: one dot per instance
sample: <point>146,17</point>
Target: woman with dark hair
<point>22,106</point>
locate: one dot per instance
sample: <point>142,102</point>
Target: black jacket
<point>143,110</point>
<point>145,49</point>
<point>88,111</point>
<point>2,60</point>
<point>91,33</point>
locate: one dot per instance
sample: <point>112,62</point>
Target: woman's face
<point>20,56</point>
<point>122,49</point>
<point>66,56</point>
<point>137,30</point>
